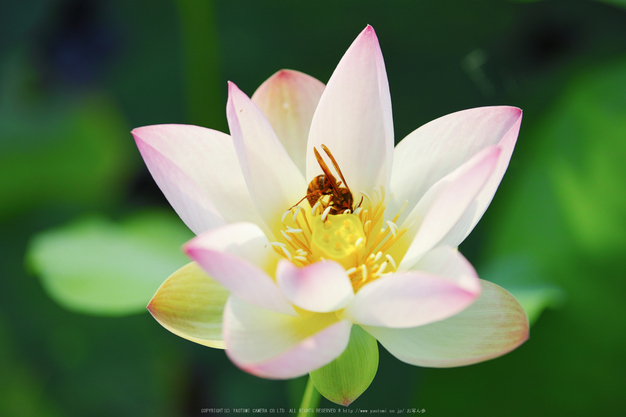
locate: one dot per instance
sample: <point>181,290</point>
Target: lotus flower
<point>290,280</point>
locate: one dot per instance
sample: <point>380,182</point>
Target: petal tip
<point>509,111</point>
<point>283,74</point>
<point>232,88</point>
<point>138,140</point>
<point>368,33</point>
<point>190,248</point>
<point>347,401</point>
<point>153,308</point>
<point>138,133</point>
<point>516,111</point>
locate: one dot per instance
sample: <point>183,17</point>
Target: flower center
<point>359,241</point>
<point>336,238</point>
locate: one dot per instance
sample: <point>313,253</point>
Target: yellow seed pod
<point>336,237</point>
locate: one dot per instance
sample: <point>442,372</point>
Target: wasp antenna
<point>335,164</point>
<point>329,175</point>
<point>317,154</point>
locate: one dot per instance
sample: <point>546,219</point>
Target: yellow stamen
<point>354,239</point>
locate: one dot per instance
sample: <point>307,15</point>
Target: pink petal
<point>408,299</point>
<point>288,99</point>
<point>238,256</point>
<point>353,118</point>
<point>320,287</point>
<point>445,203</point>
<point>198,171</point>
<point>438,148</point>
<point>274,181</point>
<point>272,345</point>
<point>494,325</point>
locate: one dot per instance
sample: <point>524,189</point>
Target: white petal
<point>469,220</point>
<point>198,171</point>
<point>408,299</point>
<point>353,118</point>
<point>494,325</point>
<point>272,345</point>
<point>288,99</point>
<point>447,262</point>
<point>274,181</point>
<point>439,147</point>
<point>238,256</point>
<point>321,287</point>
<point>445,203</point>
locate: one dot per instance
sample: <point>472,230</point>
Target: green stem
<point>310,400</point>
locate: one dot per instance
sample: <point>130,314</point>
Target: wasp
<point>339,198</point>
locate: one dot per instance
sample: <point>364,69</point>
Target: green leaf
<point>95,266</point>
<point>343,380</point>
<point>589,172</point>
<point>59,149</point>
<point>535,299</point>
<point>520,276</point>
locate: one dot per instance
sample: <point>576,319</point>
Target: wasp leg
<point>307,196</point>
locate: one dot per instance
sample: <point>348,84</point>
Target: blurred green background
<point>86,237</point>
